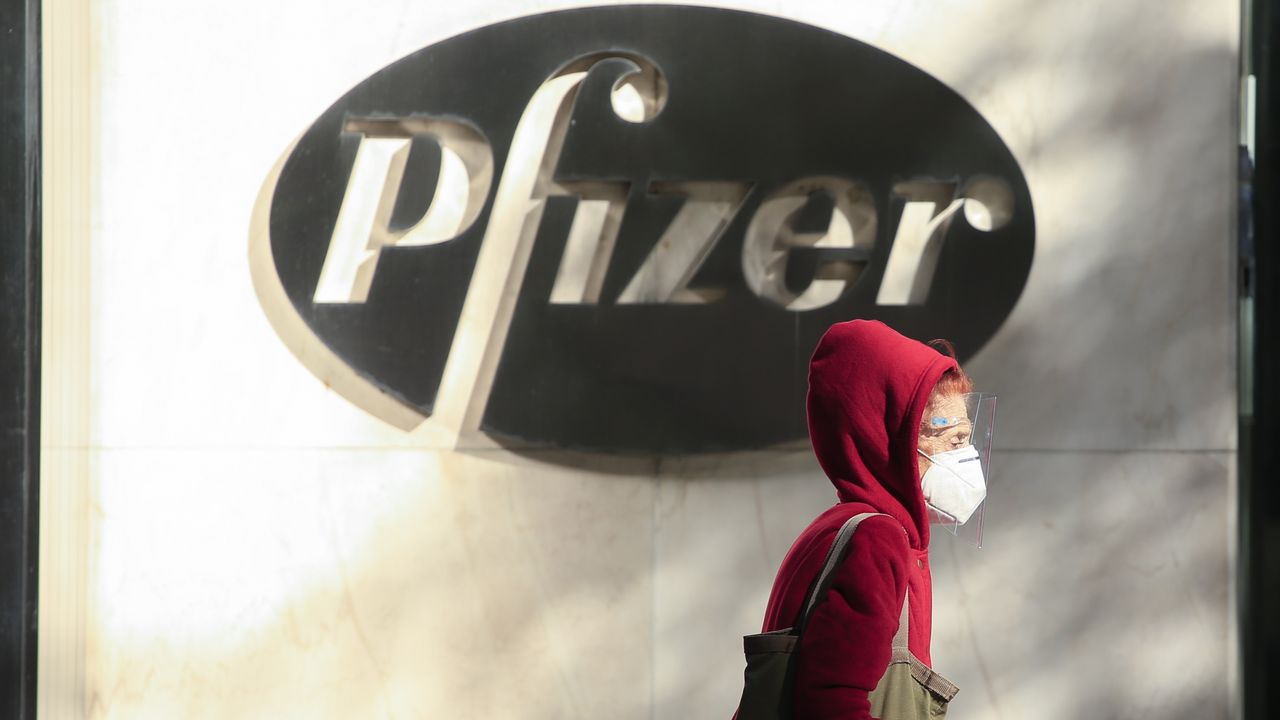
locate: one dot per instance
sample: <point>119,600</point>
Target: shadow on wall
<point>446,586</point>
<point>1103,588</point>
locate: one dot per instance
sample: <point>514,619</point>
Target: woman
<point>878,404</point>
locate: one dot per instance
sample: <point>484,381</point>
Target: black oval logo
<point>625,228</point>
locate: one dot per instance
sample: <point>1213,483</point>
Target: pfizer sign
<point>625,228</point>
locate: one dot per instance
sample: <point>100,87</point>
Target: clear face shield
<point>956,440</point>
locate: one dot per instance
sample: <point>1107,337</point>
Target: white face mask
<point>953,485</point>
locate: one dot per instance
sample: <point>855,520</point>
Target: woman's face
<point>945,427</point>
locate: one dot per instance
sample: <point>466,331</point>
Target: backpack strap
<point>834,556</point>
<point>900,637</point>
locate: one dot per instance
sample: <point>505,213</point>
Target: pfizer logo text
<point>625,228</point>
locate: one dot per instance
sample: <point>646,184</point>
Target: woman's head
<point>868,387</point>
<point>945,423</point>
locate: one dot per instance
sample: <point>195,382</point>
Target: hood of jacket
<point>868,386</point>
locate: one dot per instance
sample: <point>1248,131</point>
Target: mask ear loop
<point>928,457</point>
<point>935,464</point>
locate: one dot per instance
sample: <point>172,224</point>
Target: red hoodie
<point>867,390</point>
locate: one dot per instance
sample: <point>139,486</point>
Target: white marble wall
<point>261,548</point>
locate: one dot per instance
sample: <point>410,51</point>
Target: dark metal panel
<point>19,351</point>
<point>1260,417</point>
